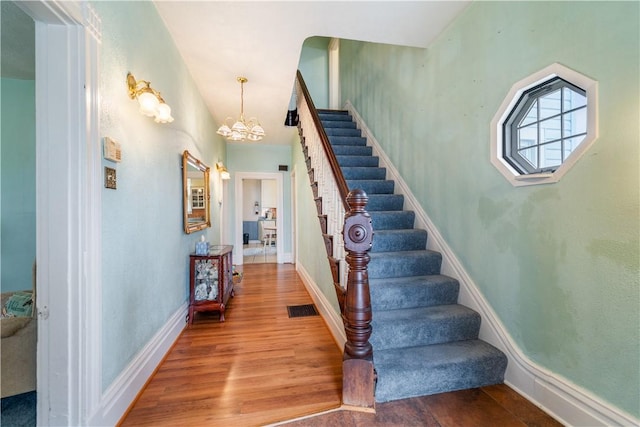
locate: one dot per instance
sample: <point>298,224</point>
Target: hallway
<point>261,367</point>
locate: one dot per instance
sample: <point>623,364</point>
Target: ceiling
<point>260,40</point>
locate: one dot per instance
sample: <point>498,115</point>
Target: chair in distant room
<point>268,234</point>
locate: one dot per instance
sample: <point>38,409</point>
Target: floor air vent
<point>302,310</point>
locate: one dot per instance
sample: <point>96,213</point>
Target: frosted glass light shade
<point>224,130</point>
<point>163,113</point>
<point>148,103</point>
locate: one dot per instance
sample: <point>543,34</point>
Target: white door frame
<point>238,178</point>
<point>68,212</point>
<point>294,217</point>
<point>334,73</point>
<point>224,214</point>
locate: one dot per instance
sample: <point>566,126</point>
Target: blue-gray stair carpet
<point>424,342</point>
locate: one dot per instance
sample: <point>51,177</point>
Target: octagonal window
<point>544,125</point>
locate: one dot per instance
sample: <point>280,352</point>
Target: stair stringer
<point>558,396</point>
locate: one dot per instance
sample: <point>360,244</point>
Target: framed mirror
<point>195,193</point>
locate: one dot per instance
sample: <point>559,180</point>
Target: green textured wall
<point>145,251</point>
<point>558,263</point>
<point>260,158</point>
<point>18,174</point>
<point>314,66</point>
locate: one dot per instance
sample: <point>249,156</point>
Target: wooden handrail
<point>358,373</point>
<point>343,189</point>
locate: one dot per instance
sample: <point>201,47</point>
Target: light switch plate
<point>109,178</point>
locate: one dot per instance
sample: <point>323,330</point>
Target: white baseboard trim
<point>556,395</point>
<point>331,318</point>
<point>124,389</point>
<point>287,258</point>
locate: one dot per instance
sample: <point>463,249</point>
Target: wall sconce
<point>224,173</point>
<point>151,103</point>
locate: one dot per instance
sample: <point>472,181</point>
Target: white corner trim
<point>556,395</point>
<point>68,236</point>
<point>125,388</point>
<point>287,258</point>
<point>331,318</point>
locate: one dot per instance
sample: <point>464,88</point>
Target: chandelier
<point>242,130</point>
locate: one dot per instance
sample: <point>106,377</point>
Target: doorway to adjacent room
<point>258,217</point>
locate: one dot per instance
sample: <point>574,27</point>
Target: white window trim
<point>554,70</point>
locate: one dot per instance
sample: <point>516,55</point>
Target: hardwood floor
<point>490,406</point>
<point>255,252</point>
<point>258,367</point>
<point>261,367</point>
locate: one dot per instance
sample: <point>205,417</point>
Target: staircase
<point>423,341</point>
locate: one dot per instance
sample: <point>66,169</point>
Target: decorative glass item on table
<point>206,287</point>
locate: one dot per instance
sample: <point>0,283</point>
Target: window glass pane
<point>571,144</point>
<point>532,115</point>
<point>575,123</point>
<point>531,156</point>
<point>550,104</point>
<point>573,99</point>
<point>550,129</point>
<point>528,136</point>
<point>550,155</point>
<point>545,126</point>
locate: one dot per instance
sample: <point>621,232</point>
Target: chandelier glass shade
<point>242,129</point>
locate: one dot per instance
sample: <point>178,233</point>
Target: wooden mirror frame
<point>189,161</point>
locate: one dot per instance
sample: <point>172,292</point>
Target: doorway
<point>259,216</point>
<point>68,226</point>
<point>259,212</point>
<point>18,195</point>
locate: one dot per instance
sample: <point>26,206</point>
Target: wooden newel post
<point>358,376</point>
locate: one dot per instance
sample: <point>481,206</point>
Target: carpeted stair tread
<point>425,370</point>
<point>412,239</point>
<point>347,140</point>
<point>336,122</point>
<point>372,186</point>
<point>360,172</point>
<point>406,263</point>
<point>352,150</point>
<point>392,220</point>
<point>334,115</point>
<point>413,291</point>
<point>385,202</point>
<point>411,327</point>
<point>342,132</point>
<point>356,160</point>
<point>331,116</point>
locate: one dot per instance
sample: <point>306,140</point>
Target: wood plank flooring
<point>258,367</point>
<point>490,406</point>
<point>261,367</point>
